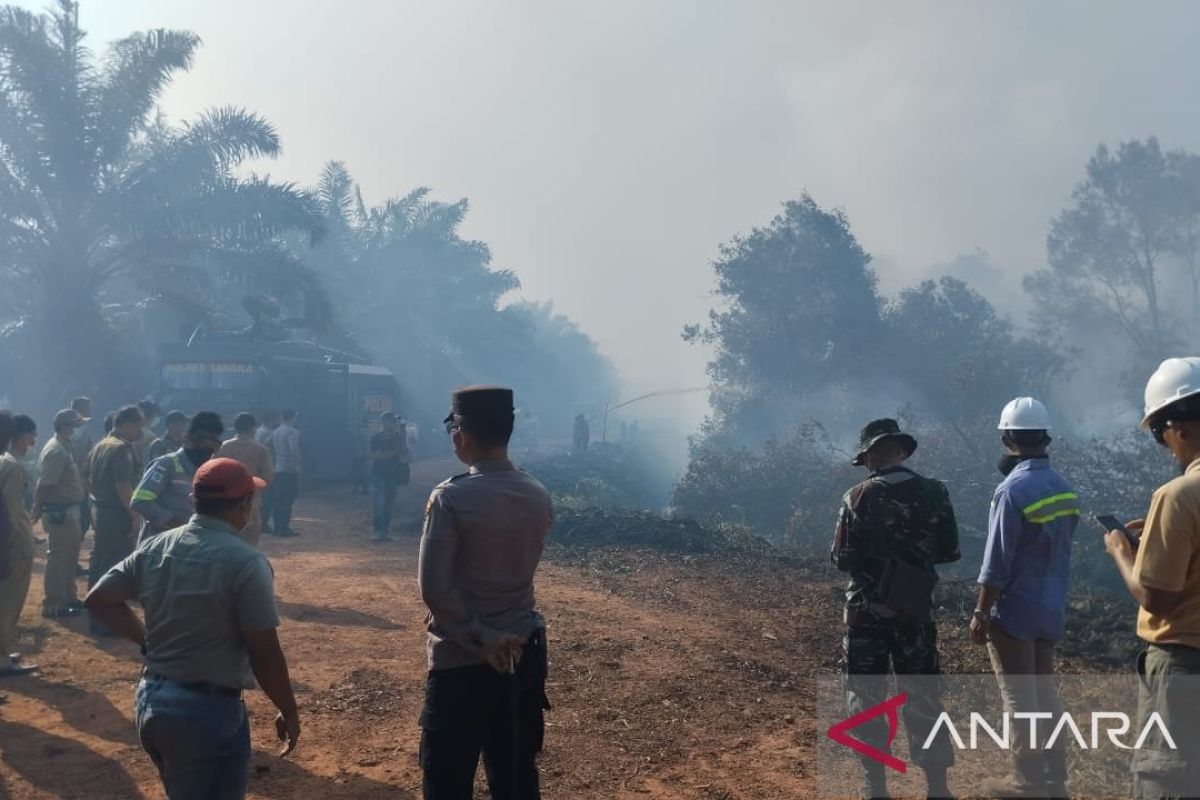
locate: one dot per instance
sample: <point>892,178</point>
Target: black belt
<point>199,686</point>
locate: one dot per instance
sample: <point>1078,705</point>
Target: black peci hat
<point>878,430</point>
<point>481,404</point>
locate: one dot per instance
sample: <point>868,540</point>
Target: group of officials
<point>208,631</point>
<point>896,526</point>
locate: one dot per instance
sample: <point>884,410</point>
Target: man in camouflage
<point>893,528</point>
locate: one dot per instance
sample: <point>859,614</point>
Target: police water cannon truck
<point>259,369</point>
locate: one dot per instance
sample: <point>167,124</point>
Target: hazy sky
<point>607,148</point>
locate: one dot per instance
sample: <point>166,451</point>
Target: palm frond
<point>239,211</point>
<point>198,157</point>
<point>233,135</point>
<point>336,192</point>
<point>48,78</point>
<point>136,71</point>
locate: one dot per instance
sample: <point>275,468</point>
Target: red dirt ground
<point>673,677</point>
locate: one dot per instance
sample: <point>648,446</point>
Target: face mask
<point>197,457</point>
<point>1008,463</point>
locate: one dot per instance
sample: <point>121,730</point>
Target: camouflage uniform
<point>894,514</point>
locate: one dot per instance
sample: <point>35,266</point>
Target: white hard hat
<point>1024,414</point>
<point>1175,379</point>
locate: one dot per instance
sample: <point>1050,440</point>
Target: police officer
<point>483,537</point>
<point>113,471</point>
<point>172,438</point>
<point>56,503</point>
<point>389,447</point>
<point>163,497</point>
<point>893,528</point>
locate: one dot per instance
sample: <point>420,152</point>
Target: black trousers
<point>475,710</point>
<point>284,491</point>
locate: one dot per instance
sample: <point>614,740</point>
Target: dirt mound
<point>607,527</point>
<point>363,691</point>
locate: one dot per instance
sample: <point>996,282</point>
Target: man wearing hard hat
<point>1021,610</point>
<point>1164,578</point>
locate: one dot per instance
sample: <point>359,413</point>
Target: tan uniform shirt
<point>1168,558</point>
<point>57,469</point>
<point>112,461</point>
<point>12,485</point>
<point>483,537</point>
<point>253,456</point>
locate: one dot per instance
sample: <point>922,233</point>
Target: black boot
<point>874,782</point>
<point>938,787</point>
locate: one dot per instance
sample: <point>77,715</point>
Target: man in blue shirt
<point>1022,603</point>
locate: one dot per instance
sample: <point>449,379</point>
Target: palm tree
<point>104,206</point>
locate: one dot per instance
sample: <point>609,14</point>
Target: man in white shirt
<point>284,443</point>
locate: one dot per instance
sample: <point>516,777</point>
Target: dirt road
<point>672,677</point>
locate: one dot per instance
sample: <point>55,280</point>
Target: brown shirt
<point>112,461</point>
<point>12,486</point>
<point>483,537</point>
<point>1168,559</point>
<point>253,456</point>
<point>58,471</point>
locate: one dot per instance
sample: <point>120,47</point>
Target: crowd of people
<point>180,537</point>
<point>177,519</point>
<point>897,526</point>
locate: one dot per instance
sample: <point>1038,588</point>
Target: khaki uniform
<point>15,586</point>
<point>82,444</point>
<point>1168,559</point>
<point>62,487</point>
<point>483,537</point>
<point>255,457</point>
<point>112,462</point>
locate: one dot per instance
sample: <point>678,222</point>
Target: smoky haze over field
<point>607,149</point>
<point>610,151</point>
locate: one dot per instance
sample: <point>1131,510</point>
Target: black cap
<point>878,430</point>
<point>484,404</point>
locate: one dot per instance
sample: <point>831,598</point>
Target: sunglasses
<point>1158,429</point>
<point>451,427</point>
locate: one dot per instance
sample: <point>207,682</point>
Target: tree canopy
<point>105,207</point>
<point>430,305</point>
<point>1123,259</point>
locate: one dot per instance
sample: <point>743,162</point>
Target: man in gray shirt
<point>486,645</point>
<point>209,604</point>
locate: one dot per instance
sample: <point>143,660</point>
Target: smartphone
<point>1111,523</point>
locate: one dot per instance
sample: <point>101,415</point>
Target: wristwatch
<point>979,613</point>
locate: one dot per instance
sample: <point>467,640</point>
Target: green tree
<point>1122,258</point>
<point>960,358</point>
<point>800,312</point>
<point>431,306</point>
<point>106,208</point>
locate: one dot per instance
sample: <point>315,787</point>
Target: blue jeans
<point>383,492</point>
<point>199,739</point>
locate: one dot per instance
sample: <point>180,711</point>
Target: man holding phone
<point>1163,575</point>
<point>1021,611</point>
